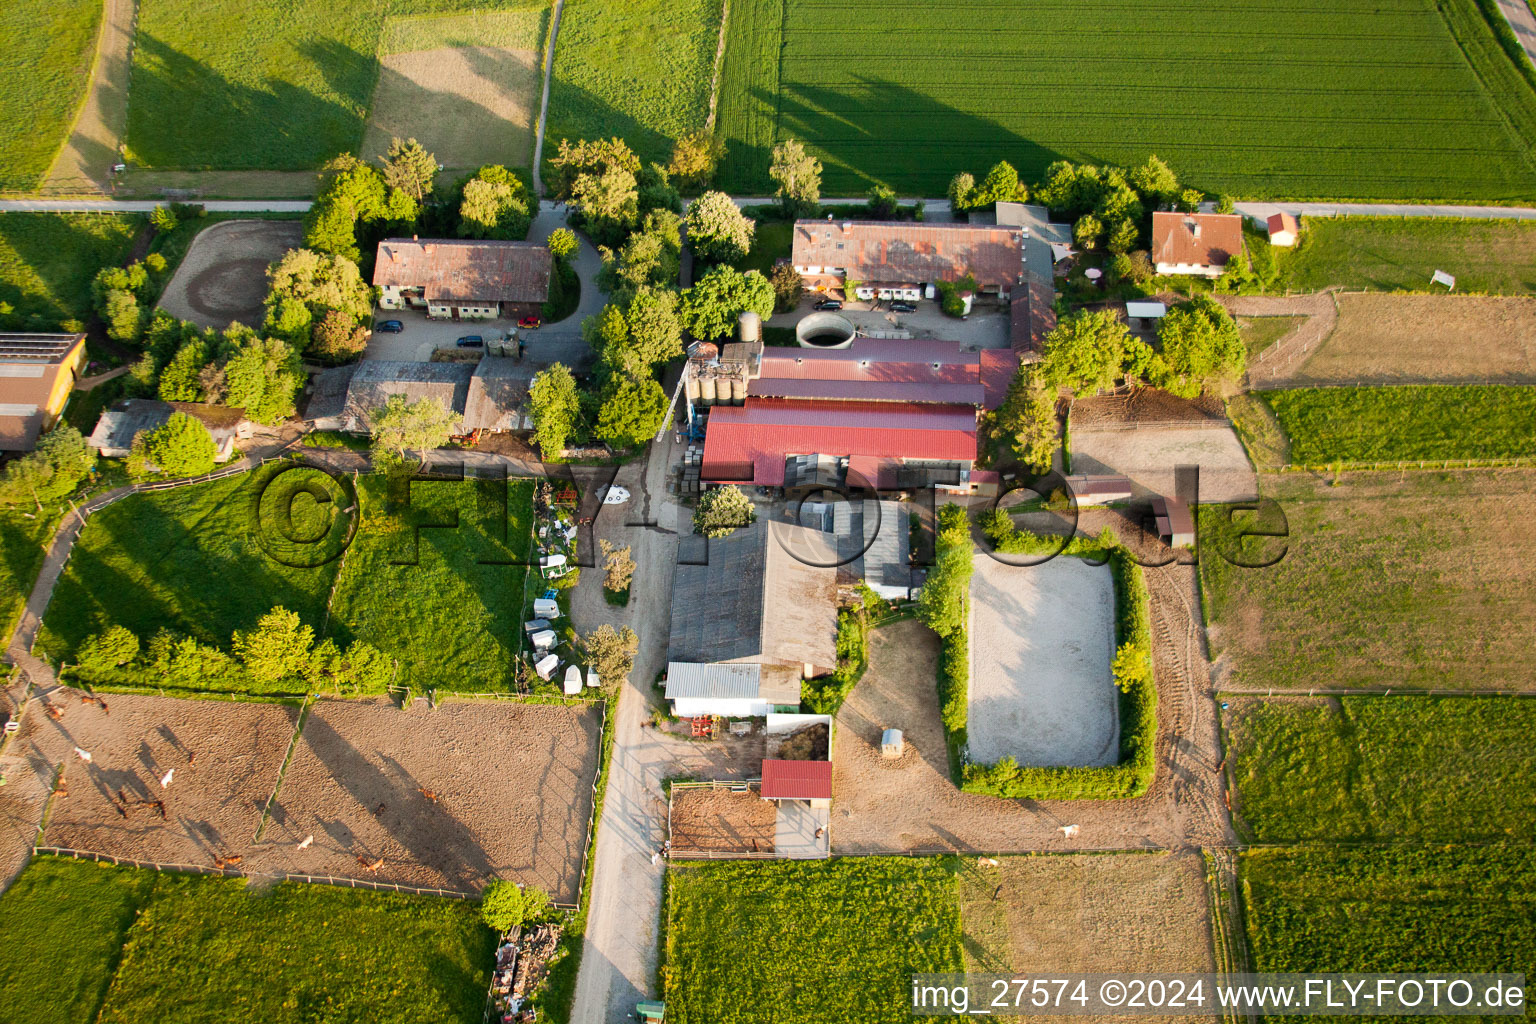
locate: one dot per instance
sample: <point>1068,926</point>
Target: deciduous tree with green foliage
<point>61,460</point>
<point>181,446</point>
<point>562,244</point>
<point>648,258</point>
<point>1001,185</point>
<point>1084,352</point>
<point>788,287</point>
<point>1201,349</point>
<point>401,428</point>
<point>942,601</point>
<point>409,168</point>
<point>304,284</point>
<point>799,178</point>
<point>336,338</point>
<point>598,179</point>
<point>611,652</point>
<point>102,652</point>
<point>554,404</point>
<point>722,510</point>
<point>505,906</point>
<point>277,648</point>
<point>711,308</point>
<point>263,376</point>
<point>495,204</point>
<point>718,232</point>
<point>694,159</point>
<point>632,410</point>
<point>1026,421</point>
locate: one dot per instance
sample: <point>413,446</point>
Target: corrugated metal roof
<point>797,780</point>
<point>998,368</point>
<point>869,391</point>
<point>688,679</point>
<point>1148,310</point>
<point>904,252</point>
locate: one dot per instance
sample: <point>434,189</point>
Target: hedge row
<point>954,683</point>
<point>825,695</point>
<point>1132,776</point>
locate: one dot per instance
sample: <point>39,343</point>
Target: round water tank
<point>751,326</point>
<point>824,330</point>
<point>704,351</point>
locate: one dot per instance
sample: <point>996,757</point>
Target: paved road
<point>146,205</point>
<point>549,67</point>
<point>1261,211</point>
<point>1523,20</point>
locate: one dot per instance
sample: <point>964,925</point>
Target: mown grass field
<point>1369,769</point>
<point>235,86</point>
<point>1406,422</point>
<point>47,262</point>
<point>1401,254</point>
<point>444,599</point>
<point>638,69</point>
<point>23,546</point>
<point>806,941</point>
<point>1391,910</point>
<point>1422,102</point>
<point>191,559</point>
<point>1416,580</point>
<point>44,67</point>
<point>126,945</point>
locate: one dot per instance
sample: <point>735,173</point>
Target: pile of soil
<point>812,743</point>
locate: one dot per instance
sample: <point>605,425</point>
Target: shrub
<point>787,287</point>
<point>181,446</point>
<point>104,651</point>
<point>163,219</point>
<point>825,695</point>
<point>954,682</point>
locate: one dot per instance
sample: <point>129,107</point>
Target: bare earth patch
<point>224,275</point>
<point>468,105</point>
<point>1042,642</point>
<point>1149,456</point>
<point>1400,339</point>
<point>705,820</point>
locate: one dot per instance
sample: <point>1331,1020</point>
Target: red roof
<point>873,370</point>
<point>748,443</point>
<point>465,270</point>
<point>998,367</point>
<point>1282,222</point>
<point>1196,239</point>
<point>907,253</point>
<point>797,780</point>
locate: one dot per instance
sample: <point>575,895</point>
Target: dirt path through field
<point>1281,359</point>
<point>549,69</point>
<point>83,166</point>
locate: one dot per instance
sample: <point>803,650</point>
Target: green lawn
<point>1401,253</point>
<point>771,243</point>
<point>1421,101</point>
<point>44,68</point>
<point>638,69</point>
<point>1391,910</point>
<point>1422,769</point>
<point>1416,580</point>
<point>1410,422</point>
<point>24,537</point>
<point>1260,332</point>
<point>48,260</point>
<point>127,945</point>
<point>271,86</point>
<point>454,617</point>
<point>190,558</point>
<point>808,941</point>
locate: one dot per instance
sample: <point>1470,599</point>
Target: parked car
<point>470,341</point>
<point>903,307</point>
<point>389,327</point>
<point>530,322</point>
<point>827,304</point>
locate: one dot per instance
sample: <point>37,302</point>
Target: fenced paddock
<point>720,820</point>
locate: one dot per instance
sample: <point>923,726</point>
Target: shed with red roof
<point>798,780</point>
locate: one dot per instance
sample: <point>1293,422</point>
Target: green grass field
<point>48,260</point>
<point>1401,253</point>
<point>126,945</point>
<point>190,558</point>
<point>1364,769</point>
<point>1389,910</point>
<point>1409,422</point>
<point>236,86</point>
<point>23,545</point>
<point>454,617</point>
<point>1265,98</point>
<point>806,941</point>
<point>50,45</point>
<point>1416,580</point>
<point>638,69</point>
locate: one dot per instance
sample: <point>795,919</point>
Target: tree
<point>608,202</point>
<point>654,191</point>
<point>575,159</point>
<point>277,648</point>
<point>180,379</point>
<point>611,652</point>
<point>1189,200</point>
<point>336,338</point>
<point>68,454</point>
<point>264,376</point>
<point>494,203</point>
<point>631,411</point>
<point>1084,351</point>
<point>718,232</point>
<point>1224,203</point>
<point>655,329</point>
<point>1087,230</point>
<point>102,652</point>
<point>788,287</point>
<point>723,510</point>
<point>410,168</point>
<point>1026,421</point>
<point>648,258</point>
<point>562,244</point>
<point>619,566</point>
<point>162,219</point>
<point>711,308</point>
<point>316,283</point>
<point>352,191</point>
<point>1001,185</point>
<point>799,177</point>
<point>882,203</point>
<point>1200,348</point>
<point>1132,667</point>
<point>694,159</point>
<point>942,601</point>
<point>554,406</point>
<point>962,193</point>
<point>504,905</point>
<point>181,446</point>
<point>1122,237</point>
<point>1155,180</point>
<point>401,427</point>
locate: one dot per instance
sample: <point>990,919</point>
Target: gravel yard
<point>1042,642</point>
<point>224,275</point>
<point>707,820</point>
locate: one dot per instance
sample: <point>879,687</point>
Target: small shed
<point>651,1013</point>
<point>1099,490</point>
<point>798,780</point>
<point>1283,229</point>
<point>546,666</point>
<point>1146,312</point>
<point>573,681</point>
<point>891,743</point>
<point>1174,522</point>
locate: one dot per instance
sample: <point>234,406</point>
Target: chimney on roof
<point>1194,228</point>
<point>847,225</point>
<point>415,238</point>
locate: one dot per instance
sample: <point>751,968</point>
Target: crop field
<point>23,545</point>
<point>1401,253</point>
<point>638,69</point>
<point>234,86</point>
<point>1412,339</point>
<point>814,940</point>
<point>444,599</point>
<point>1391,909</point>
<point>1416,580</point>
<point>47,262</point>
<point>1406,422</point>
<point>128,944</point>
<point>1421,102</point>
<point>1370,769</point>
<point>43,72</point>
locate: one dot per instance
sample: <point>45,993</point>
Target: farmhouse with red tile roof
<point>463,279</point>
<point>1198,244</point>
<point>903,260</point>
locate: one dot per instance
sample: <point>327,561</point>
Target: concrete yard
<point>1042,643</point>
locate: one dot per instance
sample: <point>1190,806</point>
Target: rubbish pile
<point>522,961</point>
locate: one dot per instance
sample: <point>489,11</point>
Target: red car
<point>530,322</point>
